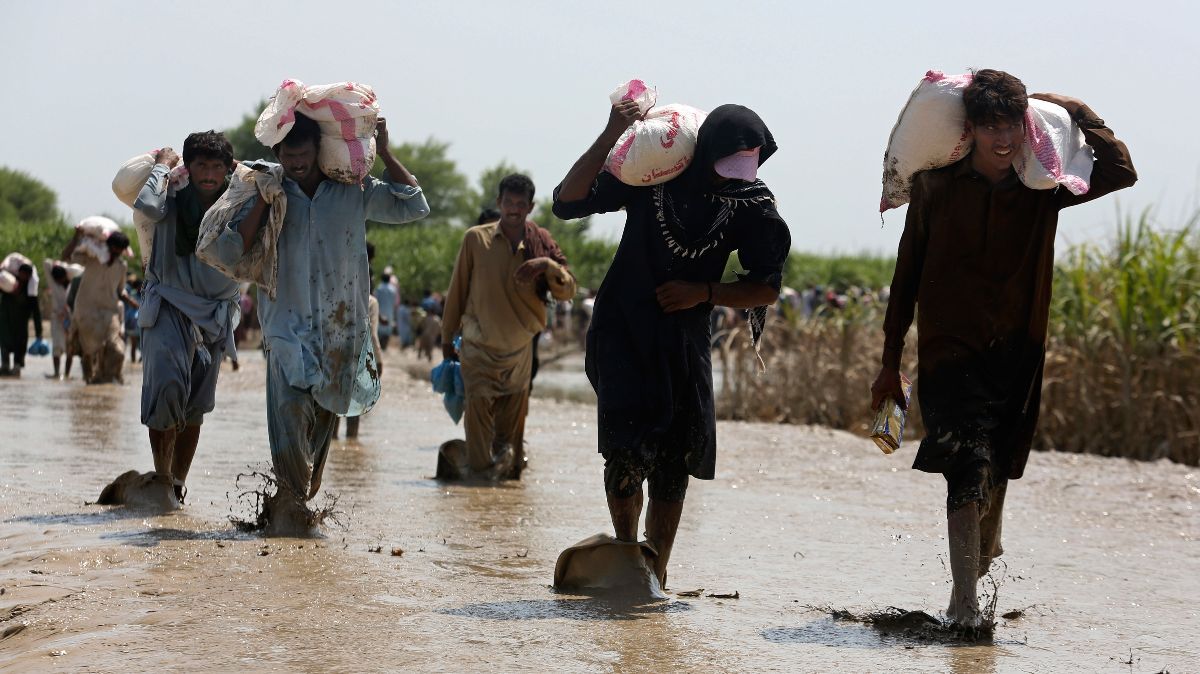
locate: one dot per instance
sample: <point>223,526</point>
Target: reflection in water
<point>91,408</point>
<point>572,609</point>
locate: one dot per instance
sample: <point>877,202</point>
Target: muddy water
<point>1102,554</point>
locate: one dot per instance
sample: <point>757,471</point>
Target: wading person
<point>187,314</point>
<point>386,297</point>
<point>316,332</point>
<point>505,273</point>
<point>648,352</point>
<point>97,317</point>
<point>17,308</point>
<point>977,258</point>
<point>60,312</point>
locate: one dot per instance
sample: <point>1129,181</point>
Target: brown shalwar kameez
<point>978,259</point>
<point>498,318</point>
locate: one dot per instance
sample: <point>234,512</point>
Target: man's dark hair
<point>208,145</point>
<point>118,240</point>
<point>487,215</point>
<point>304,130</point>
<point>58,273</point>
<point>27,269</point>
<point>516,184</point>
<point>385,278</point>
<point>993,95</point>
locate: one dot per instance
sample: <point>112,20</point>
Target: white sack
<point>931,133</point>
<point>128,182</point>
<point>8,274</point>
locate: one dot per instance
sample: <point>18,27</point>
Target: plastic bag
<point>638,91</point>
<point>346,113</point>
<point>447,380</point>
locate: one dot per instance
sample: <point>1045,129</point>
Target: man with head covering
<point>977,255</point>
<point>648,349</point>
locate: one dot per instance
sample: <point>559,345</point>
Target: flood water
<point>1102,554</point>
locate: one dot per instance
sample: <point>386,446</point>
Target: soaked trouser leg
<point>300,432</point>
<point>479,423</point>
<point>110,360</point>
<point>969,491</point>
<point>990,523</point>
<point>178,386</point>
<point>510,411</point>
<point>492,425</point>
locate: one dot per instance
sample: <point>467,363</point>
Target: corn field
<point>1122,373</point>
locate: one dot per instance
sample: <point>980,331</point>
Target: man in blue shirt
<point>316,331</point>
<point>187,314</point>
<point>387,309</point>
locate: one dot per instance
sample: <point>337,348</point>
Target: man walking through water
<point>648,347</point>
<point>505,272</point>
<point>977,256</point>
<point>17,308</point>
<point>187,315</point>
<point>316,332</point>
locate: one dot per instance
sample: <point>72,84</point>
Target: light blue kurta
<point>387,308</point>
<point>317,328</point>
<point>206,296</point>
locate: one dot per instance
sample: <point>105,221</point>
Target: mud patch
<point>914,625</point>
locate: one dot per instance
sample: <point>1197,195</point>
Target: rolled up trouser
<point>178,387</point>
<point>299,430</point>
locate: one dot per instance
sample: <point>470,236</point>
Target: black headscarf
<point>732,128</point>
<point>698,209</point>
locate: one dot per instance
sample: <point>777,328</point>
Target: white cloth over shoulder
<point>931,132</point>
<point>260,264</point>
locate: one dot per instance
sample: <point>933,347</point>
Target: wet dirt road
<point>1102,554</point>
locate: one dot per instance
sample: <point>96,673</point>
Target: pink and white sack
<point>96,229</point>
<point>931,132</point>
<point>660,146</point>
<point>8,274</point>
<point>346,113</point>
<point>128,182</point>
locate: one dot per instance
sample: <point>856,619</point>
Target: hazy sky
<point>88,85</point>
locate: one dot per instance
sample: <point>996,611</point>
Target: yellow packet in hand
<point>888,429</point>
